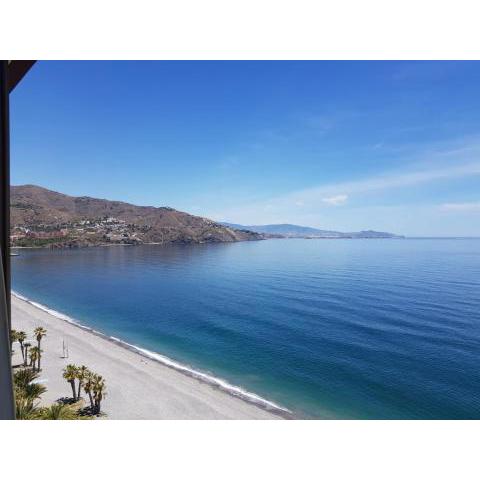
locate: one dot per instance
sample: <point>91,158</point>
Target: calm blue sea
<point>326,328</point>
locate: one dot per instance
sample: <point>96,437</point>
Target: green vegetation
<point>26,346</point>
<point>82,373</point>
<point>22,206</point>
<point>39,332</point>
<point>39,242</point>
<point>92,383</point>
<point>28,390</point>
<point>60,411</point>
<point>70,375</point>
<point>13,338</point>
<point>26,394</point>
<point>34,358</point>
<point>21,337</point>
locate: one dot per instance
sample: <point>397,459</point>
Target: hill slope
<point>44,217</point>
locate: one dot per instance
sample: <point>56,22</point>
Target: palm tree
<point>21,337</point>
<point>39,333</point>
<point>59,411</point>
<point>70,374</point>
<point>34,356</point>
<point>33,391</point>
<point>99,390</point>
<point>21,378</point>
<point>26,392</point>
<point>88,387</point>
<point>13,338</point>
<point>25,411</point>
<point>82,373</point>
<point>26,345</point>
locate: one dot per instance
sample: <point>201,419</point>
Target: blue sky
<point>338,145</point>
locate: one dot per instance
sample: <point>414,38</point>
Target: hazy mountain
<point>297,231</point>
<point>44,217</point>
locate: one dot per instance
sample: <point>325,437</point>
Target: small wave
<point>164,360</point>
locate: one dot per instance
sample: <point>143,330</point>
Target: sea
<point>322,328</point>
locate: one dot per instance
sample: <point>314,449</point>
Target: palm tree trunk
<point>91,401</point>
<point>79,390</point>
<point>72,383</point>
<point>39,355</point>
<point>23,354</point>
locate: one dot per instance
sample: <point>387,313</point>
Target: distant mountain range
<point>41,217</point>
<point>286,230</point>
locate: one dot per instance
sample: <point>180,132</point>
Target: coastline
<point>178,391</point>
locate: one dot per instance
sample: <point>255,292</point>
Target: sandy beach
<point>137,387</point>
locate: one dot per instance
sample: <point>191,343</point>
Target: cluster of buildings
<point>106,229</point>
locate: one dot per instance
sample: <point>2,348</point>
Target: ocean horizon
<point>376,328</point>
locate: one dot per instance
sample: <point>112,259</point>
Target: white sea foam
<point>207,378</point>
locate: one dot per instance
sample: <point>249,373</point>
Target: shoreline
<point>217,385</point>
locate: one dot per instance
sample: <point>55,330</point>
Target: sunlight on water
<point>325,328</point>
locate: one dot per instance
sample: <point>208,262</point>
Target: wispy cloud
<point>312,199</point>
<point>380,201</point>
<point>461,207</point>
<point>336,200</point>
<point>381,182</point>
<point>394,180</point>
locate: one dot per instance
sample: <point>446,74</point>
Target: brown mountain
<point>41,217</point>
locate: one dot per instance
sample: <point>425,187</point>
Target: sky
<point>348,146</point>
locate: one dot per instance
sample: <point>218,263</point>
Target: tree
<point>99,390</point>
<point>13,338</point>
<point>59,411</point>
<point>88,387</point>
<point>21,378</point>
<point>26,345</point>
<point>70,375</point>
<point>34,357</point>
<point>33,391</point>
<point>26,392</point>
<point>39,332</point>
<point>25,411</point>
<point>82,373</point>
<point>21,337</point>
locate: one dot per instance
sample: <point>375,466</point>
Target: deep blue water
<point>327,328</point>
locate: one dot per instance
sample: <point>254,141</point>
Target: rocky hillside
<point>41,217</point>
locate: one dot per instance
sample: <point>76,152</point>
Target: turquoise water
<point>326,328</point>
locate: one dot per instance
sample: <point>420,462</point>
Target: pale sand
<point>137,387</point>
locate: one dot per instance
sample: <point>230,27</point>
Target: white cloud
<point>461,207</point>
<point>437,164</point>
<point>336,200</point>
<point>393,180</point>
<point>277,209</point>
